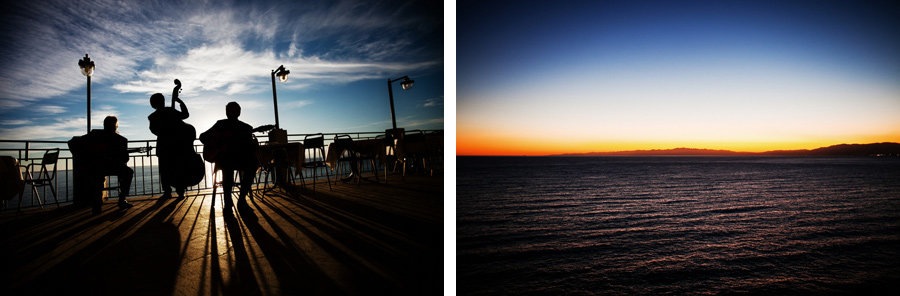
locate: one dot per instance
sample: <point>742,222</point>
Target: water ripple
<point>625,226</point>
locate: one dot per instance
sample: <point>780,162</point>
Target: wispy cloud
<point>216,45</point>
<point>423,123</point>
<point>298,104</point>
<point>50,109</point>
<point>15,122</point>
<point>221,49</point>
<point>52,130</point>
<point>433,102</point>
<point>229,69</point>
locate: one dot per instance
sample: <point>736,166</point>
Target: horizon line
<point>713,152</point>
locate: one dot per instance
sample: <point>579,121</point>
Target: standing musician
<point>165,123</point>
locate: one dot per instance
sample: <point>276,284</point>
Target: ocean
<point>677,225</point>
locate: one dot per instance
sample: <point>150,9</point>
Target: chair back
<point>414,136</point>
<point>49,160</point>
<point>314,141</point>
<point>393,134</point>
<point>344,141</point>
<point>50,157</point>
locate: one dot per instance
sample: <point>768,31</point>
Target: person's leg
<point>125,174</point>
<point>246,183</point>
<point>165,176</point>
<point>227,184</point>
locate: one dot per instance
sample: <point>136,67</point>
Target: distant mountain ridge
<point>873,149</point>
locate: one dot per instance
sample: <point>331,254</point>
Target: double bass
<point>194,170</point>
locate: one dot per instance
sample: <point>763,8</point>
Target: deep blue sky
<point>611,75</point>
<point>340,54</point>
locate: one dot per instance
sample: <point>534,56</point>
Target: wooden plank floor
<point>373,238</point>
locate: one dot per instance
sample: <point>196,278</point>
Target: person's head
<point>110,123</point>
<point>232,110</point>
<point>157,101</point>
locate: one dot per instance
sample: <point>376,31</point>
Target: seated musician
<point>109,156</point>
<point>230,144</point>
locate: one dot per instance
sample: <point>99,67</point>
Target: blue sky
<point>340,54</point>
<point>613,75</point>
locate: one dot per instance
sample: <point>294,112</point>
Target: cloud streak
<point>222,49</point>
<point>214,46</point>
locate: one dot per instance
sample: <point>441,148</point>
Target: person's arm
<point>184,114</point>
<point>122,150</point>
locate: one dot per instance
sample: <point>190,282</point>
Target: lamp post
<point>87,68</point>
<point>405,84</point>
<point>282,74</point>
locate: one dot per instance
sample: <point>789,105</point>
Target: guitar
<point>194,169</point>
<point>263,128</point>
<point>214,141</point>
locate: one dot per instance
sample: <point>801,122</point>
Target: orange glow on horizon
<point>488,145</point>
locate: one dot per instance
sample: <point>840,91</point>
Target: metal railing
<point>145,164</point>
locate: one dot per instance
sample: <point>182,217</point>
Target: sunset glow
<point>575,78</point>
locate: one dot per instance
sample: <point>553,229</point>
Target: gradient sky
<point>571,76</point>
<point>340,54</point>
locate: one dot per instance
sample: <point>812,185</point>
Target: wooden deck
<point>372,238</point>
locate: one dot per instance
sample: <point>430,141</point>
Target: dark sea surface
<point>677,225</point>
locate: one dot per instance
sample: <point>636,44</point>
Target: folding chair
<point>315,143</point>
<point>346,155</point>
<point>366,155</point>
<point>391,138</point>
<point>266,160</point>
<point>236,187</point>
<point>45,176</point>
<point>263,165</point>
<point>413,151</point>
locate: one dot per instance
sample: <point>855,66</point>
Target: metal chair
<point>413,151</point>
<point>391,138</point>
<point>315,143</point>
<point>435,156</point>
<point>371,157</point>
<point>345,156</point>
<point>266,160</point>
<point>44,176</point>
<point>264,166</point>
<point>236,187</point>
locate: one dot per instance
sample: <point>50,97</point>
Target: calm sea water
<point>677,225</point>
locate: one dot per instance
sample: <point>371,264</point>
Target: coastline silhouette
<point>871,149</point>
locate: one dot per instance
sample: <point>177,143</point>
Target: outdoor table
<point>293,155</point>
<point>374,147</point>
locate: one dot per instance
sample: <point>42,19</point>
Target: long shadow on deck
<point>369,239</point>
<point>67,249</point>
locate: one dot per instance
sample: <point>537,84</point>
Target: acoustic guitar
<point>214,141</point>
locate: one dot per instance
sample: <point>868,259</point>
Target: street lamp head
<point>87,66</point>
<point>282,73</point>
<point>406,83</point>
